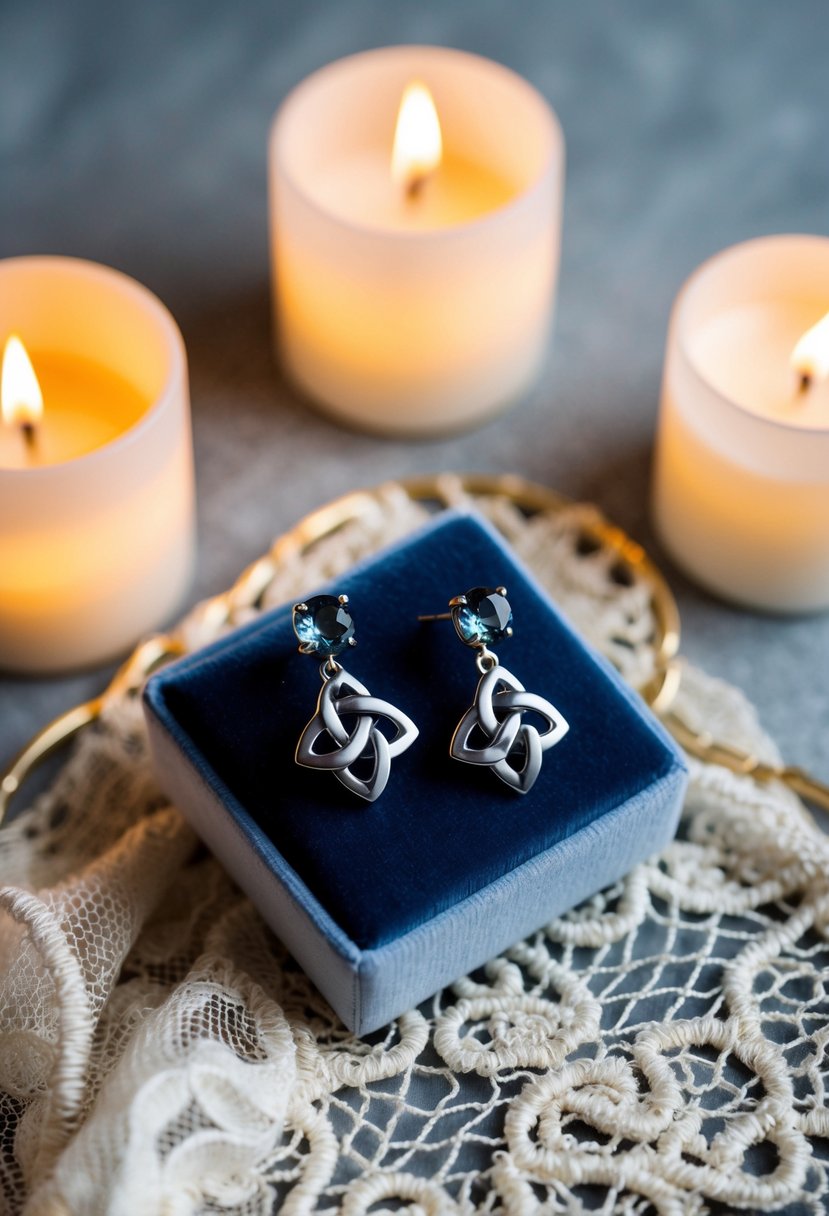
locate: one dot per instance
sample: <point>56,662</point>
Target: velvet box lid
<point>383,903</point>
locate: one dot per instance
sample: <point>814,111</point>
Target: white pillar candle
<point>741,489</point>
<point>96,508</point>
<point>414,311</point>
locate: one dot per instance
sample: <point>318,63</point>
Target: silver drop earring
<point>324,626</point>
<point>513,749</point>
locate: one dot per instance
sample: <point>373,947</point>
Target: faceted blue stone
<point>486,616</point>
<point>324,625</point>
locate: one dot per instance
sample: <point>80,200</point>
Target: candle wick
<point>414,186</point>
<point>805,382</point>
<point>29,433</point>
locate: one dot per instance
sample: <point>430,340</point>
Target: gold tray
<point>247,593</point>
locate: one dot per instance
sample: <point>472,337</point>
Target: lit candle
<point>741,488</point>
<point>89,405</point>
<point>416,215</point>
<point>418,145</point>
<point>21,403</point>
<point>96,483</point>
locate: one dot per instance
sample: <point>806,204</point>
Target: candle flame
<point>20,395</point>
<point>810,357</point>
<point>418,146</point>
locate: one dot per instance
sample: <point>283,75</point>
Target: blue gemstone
<point>324,625</point>
<point>485,617</point>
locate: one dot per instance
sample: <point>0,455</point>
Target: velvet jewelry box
<point>383,903</point>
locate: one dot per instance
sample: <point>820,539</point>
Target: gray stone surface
<point>135,135</point>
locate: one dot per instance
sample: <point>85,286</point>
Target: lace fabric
<point>662,1048</point>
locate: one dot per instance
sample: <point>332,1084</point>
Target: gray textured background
<point>135,135</point>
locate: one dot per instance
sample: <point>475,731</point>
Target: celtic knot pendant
<point>513,748</point>
<point>343,697</point>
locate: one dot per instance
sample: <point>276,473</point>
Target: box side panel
<point>400,975</point>
<point>320,947</point>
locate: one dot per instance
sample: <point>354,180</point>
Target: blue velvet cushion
<point>441,830</point>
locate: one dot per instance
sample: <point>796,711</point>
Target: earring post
<point>437,616</point>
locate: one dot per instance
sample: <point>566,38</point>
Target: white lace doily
<point>662,1048</point>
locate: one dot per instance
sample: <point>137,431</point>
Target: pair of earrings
<point>512,748</point>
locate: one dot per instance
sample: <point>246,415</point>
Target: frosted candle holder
<point>423,317</point>
<point>741,486</point>
<point>96,551</point>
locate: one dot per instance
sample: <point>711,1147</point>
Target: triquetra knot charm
<point>513,748</point>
